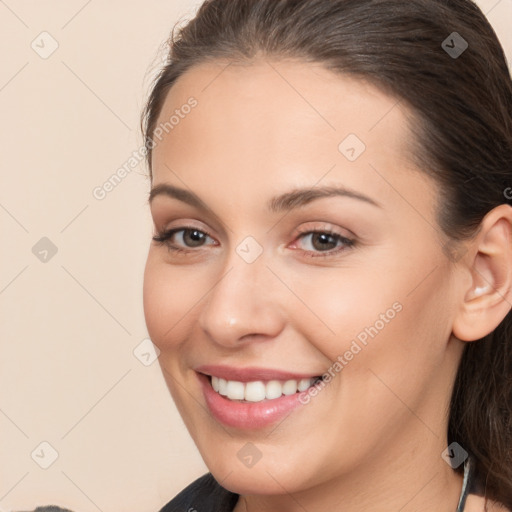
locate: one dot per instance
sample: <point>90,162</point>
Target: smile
<point>251,398</point>
<point>257,391</point>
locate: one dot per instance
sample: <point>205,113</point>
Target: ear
<point>488,298</point>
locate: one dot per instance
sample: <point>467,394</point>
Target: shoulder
<point>477,503</point>
<point>203,495</point>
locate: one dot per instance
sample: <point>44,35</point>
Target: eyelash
<point>165,236</point>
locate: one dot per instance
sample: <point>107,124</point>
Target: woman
<point>330,280</point>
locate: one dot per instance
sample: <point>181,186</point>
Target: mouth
<point>253,398</point>
<point>259,390</point>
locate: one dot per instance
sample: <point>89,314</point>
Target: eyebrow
<point>283,202</point>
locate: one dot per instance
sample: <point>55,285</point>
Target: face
<point>302,243</point>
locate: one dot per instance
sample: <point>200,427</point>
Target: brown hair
<point>462,106</point>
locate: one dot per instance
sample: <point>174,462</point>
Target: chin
<point>270,474</point>
<point>258,481</point>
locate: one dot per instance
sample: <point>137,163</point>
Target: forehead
<point>282,121</point>
<point>295,81</point>
<point>267,101</point>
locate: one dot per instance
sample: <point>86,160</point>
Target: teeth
<point>223,387</point>
<point>290,387</point>
<point>235,390</point>
<point>254,391</point>
<point>273,389</point>
<point>304,384</point>
<point>258,391</point>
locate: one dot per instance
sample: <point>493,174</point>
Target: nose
<point>244,304</point>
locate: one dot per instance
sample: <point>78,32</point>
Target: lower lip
<point>247,415</point>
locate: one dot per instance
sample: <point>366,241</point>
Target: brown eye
<point>182,239</point>
<point>323,243</point>
<point>193,238</point>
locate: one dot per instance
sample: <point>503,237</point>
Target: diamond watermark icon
<point>454,45</point>
<point>249,454</point>
<point>146,352</point>
<point>44,45</point>
<point>44,455</point>
<point>454,455</point>
<point>249,249</point>
<point>44,250</point>
<point>351,147</point>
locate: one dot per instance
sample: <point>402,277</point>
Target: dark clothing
<point>203,495</point>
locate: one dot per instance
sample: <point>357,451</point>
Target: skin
<point>373,438</point>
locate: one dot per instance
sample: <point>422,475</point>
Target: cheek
<point>403,363</point>
<point>389,343</point>
<point>391,321</point>
<point>340,305</point>
<point>169,296</point>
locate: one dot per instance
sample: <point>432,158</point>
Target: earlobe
<point>488,298</point>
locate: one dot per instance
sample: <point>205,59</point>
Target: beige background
<point>70,323</point>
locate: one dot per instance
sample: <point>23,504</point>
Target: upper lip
<point>252,373</point>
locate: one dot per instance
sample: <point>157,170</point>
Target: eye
<point>324,243</point>
<point>321,243</point>
<point>189,237</point>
